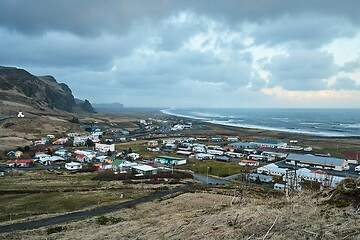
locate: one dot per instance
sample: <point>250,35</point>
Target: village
<point>159,147</point>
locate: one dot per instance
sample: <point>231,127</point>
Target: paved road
<point>210,180</point>
<point>93,212</point>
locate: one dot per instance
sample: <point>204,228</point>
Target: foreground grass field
<point>29,194</point>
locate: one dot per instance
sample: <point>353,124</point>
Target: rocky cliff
<point>20,89</point>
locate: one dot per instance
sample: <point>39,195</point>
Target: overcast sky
<point>171,53</point>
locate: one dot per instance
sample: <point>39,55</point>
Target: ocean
<point>317,122</point>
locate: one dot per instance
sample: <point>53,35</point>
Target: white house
<point>272,169</point>
<point>204,156</point>
<point>215,152</point>
<point>50,160</point>
<point>144,169</point>
<point>248,163</point>
<point>73,166</point>
<point>105,147</point>
<point>133,156</point>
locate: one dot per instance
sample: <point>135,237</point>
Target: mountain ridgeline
<point>21,90</point>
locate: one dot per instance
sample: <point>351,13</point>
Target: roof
<point>261,176</point>
<point>73,164</point>
<point>204,155</point>
<point>274,168</point>
<point>308,158</point>
<point>144,168</point>
<point>352,155</point>
<point>241,144</point>
<point>117,162</point>
<point>248,161</point>
<point>269,141</point>
<point>19,161</point>
<point>169,158</point>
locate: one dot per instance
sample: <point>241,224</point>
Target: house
<point>153,143</point>
<point>101,158</point>
<point>84,155</point>
<point>214,152</point>
<point>250,163</point>
<point>232,139</point>
<point>41,156</point>
<point>19,163</point>
<point>144,169</point>
<point>122,165</point>
<point>72,135</point>
<point>242,145</point>
<point>153,149</point>
<point>62,152</point>
<point>204,156</point>
<point>73,166</point>
<point>40,142</point>
<point>169,160</point>
<point>304,174</point>
<point>270,143</point>
<point>184,153</point>
<point>308,160</point>
<point>234,154</point>
<point>105,147</point>
<point>274,155</point>
<point>249,151</point>
<point>272,169</point>
<point>216,139</point>
<point>253,177</point>
<point>60,141</point>
<point>352,157</point>
<point>18,154</point>
<point>279,186</point>
<point>168,141</point>
<point>222,158</point>
<point>133,156</point>
<point>199,149</point>
<point>51,160</point>
<point>259,157</point>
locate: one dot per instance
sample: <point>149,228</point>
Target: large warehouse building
<point>308,160</point>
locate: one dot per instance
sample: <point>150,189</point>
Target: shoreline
<point>260,128</point>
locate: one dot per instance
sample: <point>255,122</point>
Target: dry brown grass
<point>210,215</point>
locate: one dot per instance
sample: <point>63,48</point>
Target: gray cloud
<point>192,52</point>
<point>352,66</point>
<point>305,30</point>
<point>301,70</point>
<point>346,84</point>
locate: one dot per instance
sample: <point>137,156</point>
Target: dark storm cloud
<point>301,70</point>
<point>91,17</point>
<point>119,49</point>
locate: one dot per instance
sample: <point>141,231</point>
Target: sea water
<point>319,122</point>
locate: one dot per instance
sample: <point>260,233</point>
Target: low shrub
<point>57,229</point>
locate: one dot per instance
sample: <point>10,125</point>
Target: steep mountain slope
<point>21,90</point>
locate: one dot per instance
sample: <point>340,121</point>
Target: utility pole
<point>207,175</point>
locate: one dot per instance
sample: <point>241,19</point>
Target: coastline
<point>325,134</point>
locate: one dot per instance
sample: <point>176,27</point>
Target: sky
<point>204,53</point>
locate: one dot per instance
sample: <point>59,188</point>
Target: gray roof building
<point>312,160</point>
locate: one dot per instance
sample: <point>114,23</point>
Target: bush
<point>103,220</point>
<point>52,230</point>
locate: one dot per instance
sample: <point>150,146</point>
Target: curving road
<point>93,212</point>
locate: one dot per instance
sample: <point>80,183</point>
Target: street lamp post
<point>207,175</point>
